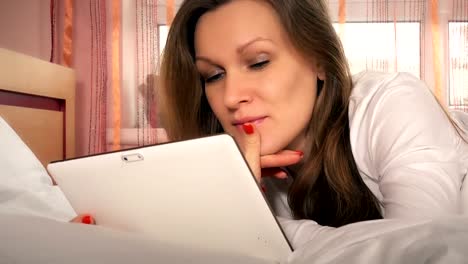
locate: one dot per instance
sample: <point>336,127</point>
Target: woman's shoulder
<point>368,83</point>
<point>374,89</point>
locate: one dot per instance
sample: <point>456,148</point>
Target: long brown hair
<point>328,188</point>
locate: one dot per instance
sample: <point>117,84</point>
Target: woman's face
<point>253,74</point>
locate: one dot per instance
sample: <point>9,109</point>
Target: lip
<point>254,120</point>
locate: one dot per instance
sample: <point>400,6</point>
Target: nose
<point>236,91</point>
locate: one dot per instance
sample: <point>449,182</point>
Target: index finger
<point>250,146</point>
<point>84,219</point>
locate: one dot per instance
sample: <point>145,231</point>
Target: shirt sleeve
<point>413,148</point>
<point>299,232</point>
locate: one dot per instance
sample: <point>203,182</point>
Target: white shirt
<point>406,150</point>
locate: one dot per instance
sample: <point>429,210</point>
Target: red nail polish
<point>87,219</point>
<point>248,128</point>
<point>300,153</point>
<point>282,175</point>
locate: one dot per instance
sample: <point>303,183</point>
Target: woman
<point>273,74</point>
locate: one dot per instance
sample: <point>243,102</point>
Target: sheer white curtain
<point>458,55</point>
<point>428,38</point>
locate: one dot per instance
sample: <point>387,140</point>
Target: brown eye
<point>214,78</point>
<point>259,65</point>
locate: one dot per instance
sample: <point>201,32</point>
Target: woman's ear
<point>321,73</point>
<point>321,76</point>
<point>319,70</point>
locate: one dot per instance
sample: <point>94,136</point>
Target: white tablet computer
<point>197,193</point>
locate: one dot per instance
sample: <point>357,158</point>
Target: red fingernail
<point>300,153</point>
<point>87,219</point>
<point>248,128</point>
<point>282,175</point>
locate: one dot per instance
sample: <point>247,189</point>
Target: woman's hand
<point>267,165</point>
<point>84,219</point>
<point>271,164</point>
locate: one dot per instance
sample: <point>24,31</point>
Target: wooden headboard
<point>37,99</point>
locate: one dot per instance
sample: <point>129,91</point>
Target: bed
<point>37,126</point>
<point>37,98</point>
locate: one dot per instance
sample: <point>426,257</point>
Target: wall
<point>25,27</point>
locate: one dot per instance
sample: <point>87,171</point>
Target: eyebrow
<point>239,50</point>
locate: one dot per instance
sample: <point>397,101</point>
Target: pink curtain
<point>113,45</point>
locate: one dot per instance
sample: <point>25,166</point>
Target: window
<point>375,46</point>
<point>163,31</point>
<point>458,64</point>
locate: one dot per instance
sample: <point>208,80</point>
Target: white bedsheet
<point>32,239</point>
<point>390,241</point>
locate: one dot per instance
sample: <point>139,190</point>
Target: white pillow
<point>25,186</point>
